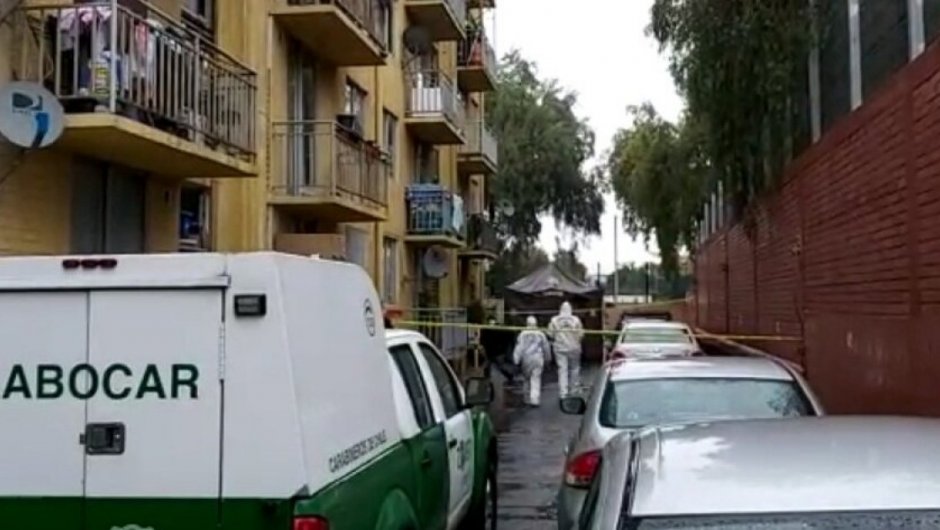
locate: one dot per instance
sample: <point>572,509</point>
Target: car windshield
<point>635,403</point>
<point>809,521</point>
<point>652,334</point>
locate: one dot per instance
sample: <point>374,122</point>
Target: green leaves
<point>543,146</point>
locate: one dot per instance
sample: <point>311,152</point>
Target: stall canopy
<point>552,280</point>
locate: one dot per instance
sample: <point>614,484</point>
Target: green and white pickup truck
<point>236,392</point>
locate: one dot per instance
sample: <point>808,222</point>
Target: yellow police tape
<point>700,335</point>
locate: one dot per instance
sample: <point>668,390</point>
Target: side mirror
<point>480,392</point>
<point>572,405</point>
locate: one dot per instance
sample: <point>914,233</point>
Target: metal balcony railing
<point>482,236</point>
<point>314,158</point>
<point>476,50</point>
<point>435,211</point>
<point>481,140</point>
<point>432,92</point>
<point>138,62</point>
<point>369,14</point>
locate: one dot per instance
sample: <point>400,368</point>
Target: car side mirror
<point>480,392</point>
<point>572,405</point>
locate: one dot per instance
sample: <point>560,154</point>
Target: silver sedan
<point>631,394</point>
<point>831,473</point>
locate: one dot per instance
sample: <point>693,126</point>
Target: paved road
<point>531,459</point>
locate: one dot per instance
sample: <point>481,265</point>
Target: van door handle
<point>452,444</point>
<point>425,459</point>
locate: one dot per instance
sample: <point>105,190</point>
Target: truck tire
<point>483,513</point>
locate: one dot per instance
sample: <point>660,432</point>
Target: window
<point>443,380</point>
<point>635,403</point>
<point>390,140</point>
<point>655,335</point>
<point>426,164</point>
<point>411,374</point>
<point>357,242</point>
<point>355,102</point>
<point>194,219</point>
<point>199,16</point>
<point>388,25</point>
<point>390,274</point>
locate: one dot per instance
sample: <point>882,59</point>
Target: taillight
<point>311,523</point>
<point>580,470</point>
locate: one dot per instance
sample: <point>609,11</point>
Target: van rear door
<point>153,433</point>
<point>42,336</point>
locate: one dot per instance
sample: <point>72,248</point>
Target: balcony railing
<point>481,236</point>
<point>369,14</point>
<point>432,93</point>
<point>320,158</point>
<point>142,64</point>
<point>476,51</point>
<point>435,211</point>
<point>480,141</point>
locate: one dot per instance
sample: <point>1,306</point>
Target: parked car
<point>455,442</point>
<point>631,394</point>
<point>250,391</point>
<point>837,472</point>
<point>655,338</point>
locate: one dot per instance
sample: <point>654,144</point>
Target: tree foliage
<point>567,259</point>
<point>543,147</point>
<point>515,262</point>
<point>660,176</point>
<point>740,67</point>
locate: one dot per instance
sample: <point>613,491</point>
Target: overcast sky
<point>599,49</point>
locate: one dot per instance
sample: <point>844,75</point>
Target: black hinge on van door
<point>103,438</point>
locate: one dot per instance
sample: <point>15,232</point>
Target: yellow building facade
<point>350,129</point>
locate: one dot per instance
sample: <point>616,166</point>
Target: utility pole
<point>647,277</point>
<point>616,267</point>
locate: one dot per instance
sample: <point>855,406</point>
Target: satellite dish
<point>506,208</point>
<point>418,40</point>
<point>30,115</point>
<point>434,263</point>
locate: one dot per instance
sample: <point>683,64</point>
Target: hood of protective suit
<point>532,322</point>
<point>566,330</point>
<point>565,310</point>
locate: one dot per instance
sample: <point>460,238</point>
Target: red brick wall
<point>846,256</point>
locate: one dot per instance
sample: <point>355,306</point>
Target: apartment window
<point>199,15</point>
<point>426,164</point>
<point>390,273</point>
<point>390,128</point>
<point>355,100</point>
<point>194,219</point>
<point>388,26</point>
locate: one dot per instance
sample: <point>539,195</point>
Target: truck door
<point>42,337</point>
<point>153,434</point>
<point>458,428</point>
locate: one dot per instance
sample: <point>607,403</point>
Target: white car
<point>656,338</point>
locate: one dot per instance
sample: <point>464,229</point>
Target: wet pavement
<point>531,457</point>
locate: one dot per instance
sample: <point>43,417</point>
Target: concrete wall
<point>846,255</point>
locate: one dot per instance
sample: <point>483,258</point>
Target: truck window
<point>443,380</point>
<point>411,374</point>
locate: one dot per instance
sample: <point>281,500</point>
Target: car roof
<point>829,463</point>
<point>698,367</point>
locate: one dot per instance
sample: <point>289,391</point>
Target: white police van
<point>193,391</point>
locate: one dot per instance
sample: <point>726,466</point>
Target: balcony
<point>479,156</point>
<point>323,171</point>
<point>476,63</point>
<point>482,240</point>
<point>342,32</point>
<point>444,19</point>
<point>326,246</point>
<point>435,216</point>
<point>141,90</point>
<point>435,111</point>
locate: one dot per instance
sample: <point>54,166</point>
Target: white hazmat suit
<point>566,331</point>
<point>532,349</point>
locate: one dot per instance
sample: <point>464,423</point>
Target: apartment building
<point>352,129</point>
<point>157,108</point>
<point>378,151</point>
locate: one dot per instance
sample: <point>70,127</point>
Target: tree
<point>741,67</point>
<point>515,262</point>
<point>543,148</point>
<point>660,175</point>
<point>567,260</point>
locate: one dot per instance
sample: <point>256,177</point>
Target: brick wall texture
<point>845,255</point>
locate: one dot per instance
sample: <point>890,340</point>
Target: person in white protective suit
<point>566,332</point>
<point>532,350</point>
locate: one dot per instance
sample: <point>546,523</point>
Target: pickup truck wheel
<point>482,515</point>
